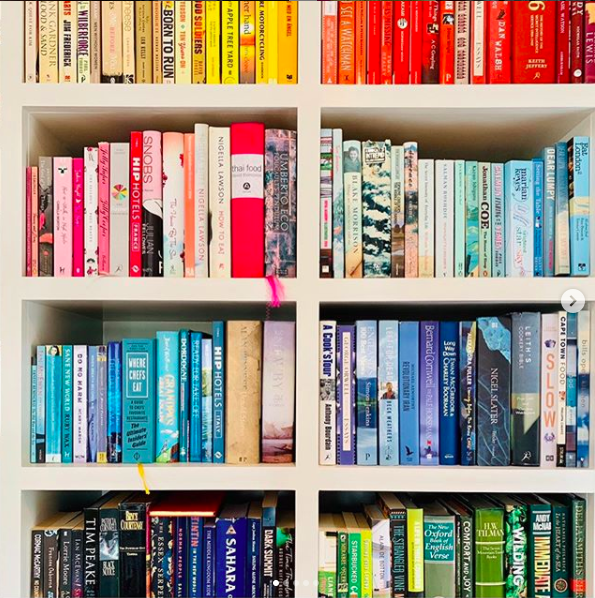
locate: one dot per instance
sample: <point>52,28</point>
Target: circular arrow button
<point>573,301</point>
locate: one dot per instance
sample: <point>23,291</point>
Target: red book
<point>431,42</point>
<point>136,204</point>
<point>401,42</point>
<point>499,46</point>
<point>78,217</point>
<point>29,222</point>
<point>361,42</point>
<point>478,43</point>
<point>347,43</point>
<point>386,43</point>
<point>447,43</point>
<point>577,56</point>
<point>416,42</point>
<point>329,42</point>
<point>247,203</point>
<point>589,42</point>
<point>563,42</point>
<point>188,504</point>
<point>374,37</point>
<point>534,46</point>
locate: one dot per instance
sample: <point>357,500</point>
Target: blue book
<point>218,392</point>
<point>367,393</point>
<point>538,202</point>
<point>429,389</point>
<point>498,222</point>
<point>468,398</point>
<point>472,218</point>
<point>114,403</point>
<point>269,543</point>
<point>207,401</point>
<point>549,211</point>
<point>102,404</point>
<point>449,393</point>
<point>571,389</point>
<point>231,550</point>
<point>562,232</point>
<point>168,397</point>
<point>254,550</point>
<point>181,558</point>
<point>33,428</point>
<point>53,391</point>
<point>209,557</point>
<point>184,394</point>
<point>388,392</point>
<point>346,396</point>
<point>195,558</point>
<point>196,397</point>
<point>138,401</point>
<point>40,411</point>
<point>67,403</point>
<point>583,414</point>
<point>409,393</point>
<point>580,205</point>
<point>92,406</point>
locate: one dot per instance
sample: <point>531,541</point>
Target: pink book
<point>104,208</point>
<point>63,211</point>
<point>29,223</point>
<point>136,204</point>
<point>78,197</point>
<point>34,221</point>
<point>247,204</point>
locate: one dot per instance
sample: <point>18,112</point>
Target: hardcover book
<point>538,207</point>
<point>78,218</point>
<point>111,43</point>
<point>328,393</point>
<point>562,380</point>
<point>119,208</point>
<point>462,42</point>
<point>173,205</point>
<point>439,551</point>
<point>395,511</point>
<point>136,205</point>
<point>104,208</point>
<point>549,388</point>
<point>152,241</point>
<point>571,389</point>
<point>168,398</point>
<point>468,397</point>
<point>367,392</point>
<point>409,393</point>
<point>540,548</point>
<point>346,396</point>
<point>388,392</point>
<point>429,403</point>
<point>449,393</point>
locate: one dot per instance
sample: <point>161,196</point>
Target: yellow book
<point>156,47</point>
<point>48,42</point>
<point>230,46</point>
<point>213,13</point>
<point>262,72</point>
<point>144,55</point>
<point>199,62</point>
<point>273,40</point>
<point>83,57</point>
<point>67,31</point>
<point>367,585</point>
<point>183,42</point>
<point>247,42</point>
<point>288,43</point>
<point>128,42</point>
<point>111,43</point>
<point>168,41</point>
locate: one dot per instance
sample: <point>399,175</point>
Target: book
<point>579,202</point>
<point>144,38</point>
<point>589,49</point>
<point>231,544</point>
<point>498,222</point>
<point>379,525</point>
<point>429,404</point>
<point>63,210</point>
<point>104,208</point>
<point>213,42</point>
<point>478,43</point>
<point>427,234</point>
<point>199,73</point>
<point>189,206</point>
<point>269,523</point>
<point>540,547</point>
<point>330,39</point>
<point>91,204</point>
<point>93,405</point>
<point>401,42</point>
<point>549,389</point>
<point>326,203</point>
<point>40,406</point>
<point>168,392</point>
<point>202,159</point>
<point>571,389</point>
<point>79,410</point>
<point>398,211</point>
<point>562,380</point>
<point>460,209</point>
<point>447,43</point>
<point>409,393</point>
<point>468,390</point>
<point>173,205</point>
<point>562,230</point>
<point>560,550</point>
<point>78,223</point>
<point>346,425</point>
<point>102,417</point>
<point>119,209</point>
<point>67,403</point>
<point>396,512</point>
<point>361,42</point>
<point>128,42</point>
<point>386,43</point>
<point>449,393</point>
<point>184,405</point>
<point>285,553</point>
<point>152,240</point>
<point>373,42</point>
<point>415,548</point>
<point>430,42</point>
<point>219,392</point>
<point>499,46</point>
<point>338,206</point>
<point>207,400</point>
<point>416,49</point>
<point>583,388</point>
<point>577,507</point>
<point>462,42</point>
<point>577,55</point>
<point>254,549</point>
<point>31,42</point>
<point>168,40</point>
<point>183,42</point>
<point>327,559</point>
<point>195,427</point>
<point>538,214</point>
<point>445,219</point>
<point>472,218</point>
<point>346,41</point>
<point>411,210</point>
<point>112,59</point>
<point>288,42</point>
<point>485,219</point>
<point>352,185</point>
<point>367,392</point>
<point>135,259</point>
<point>53,391</point>
<point>328,393</point>
<point>48,42</point>
<point>388,390</point>
<point>230,59</point>
<point>549,210</point>
<point>355,554</point>
<point>262,73</point>
<point>563,42</point>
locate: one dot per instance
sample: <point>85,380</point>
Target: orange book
<point>247,42</point>
<point>330,42</point>
<point>361,42</point>
<point>189,205</point>
<point>347,43</point>
<point>447,43</point>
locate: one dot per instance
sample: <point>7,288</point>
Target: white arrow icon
<point>573,301</point>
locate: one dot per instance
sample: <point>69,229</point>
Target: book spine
<point>168,41</point>
<point>114,403</point>
<point>549,388</point>
<point>162,557</point>
<point>411,210</point>
<point>102,404</point>
<point>95,41</point>
<point>220,202</point>
<point>439,551</point>
<point>91,553</point>
<point>262,52</point>
<point>355,564</point>
<point>462,42</point>
<point>499,47</point>
<point>218,392</point>
<point>157,45</point>
<point>288,42</point>
<point>562,380</point>
<point>589,47</point>
<point>366,563</point>
<point>346,396</point>
<point>563,42</point>
<point>540,550</point>
<point>338,206</point>
<point>173,205</point>
<point>460,220</point>
<point>67,42</point>
<point>119,209</point>
<point>92,407</point>
<point>472,218</point>
<point>489,557</point>
<point>486,211</point>
<point>578,584</point>
<point>247,42</point>
<point>549,211</point>
<point>571,390</point>
<point>326,203</point>
<point>449,393</point>
<point>445,219</point>
<point>63,211</point>
<point>53,391</point>
<point>577,55</point>
<point>430,42</point>
<point>468,398</point>
<point>144,33</point>
<point>538,207</point>
<point>272,42</point>
<point>34,221</point>
<point>199,58</point>
<point>195,557</point>
<point>67,403</point>
<point>189,205</point>
<point>361,42</point>
<point>427,202</point>
<point>207,401</point>
<point>83,46</point>
<point>128,42</point>
<point>196,397</point>
<point>112,58</point>
<point>91,206</point>
<point>386,43</point>
<point>415,552</point>
<point>183,41</point>
<point>398,211</point>
<point>516,550</point>
<point>33,428</point>
<point>201,197</point>
<point>180,567</point>
<point>213,42</point>
<point>330,41</point>
<point>48,42</point>
<point>583,388</point>
<point>231,550</point>
<point>133,548</point>
<point>109,561</point>
<point>46,217</point>
<point>80,405</point>
<point>367,393</point>
<point>478,43</point>
<point>328,404</point>
<point>254,557</point>
<point>78,565</point>
<point>525,386</point>
<point>340,580</point>
<point>168,397</point>
<point>409,393</point>
<point>135,257</point>
<point>29,222</point>
<point>104,209</point>
<point>78,217</point>
<point>416,48</point>
<point>65,572</point>
<point>31,42</point>
<point>560,551</point>
<point>40,412</point>
<point>447,43</point>
<point>580,205</point>
<point>388,392</point>
<point>209,561</point>
<point>230,38</point>
<point>329,555</point>
<point>51,550</point>
<point>562,231</point>
<point>152,242</point>
<point>498,222</point>
<point>429,409</point>
<point>402,42</point>
<point>354,252</point>
<point>374,36</point>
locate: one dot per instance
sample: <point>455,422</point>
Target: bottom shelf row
<point>243,544</point>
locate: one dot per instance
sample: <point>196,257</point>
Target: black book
<point>284,554</point>
<point>162,561</point>
<point>269,532</point>
<point>78,557</point>
<point>66,561</point>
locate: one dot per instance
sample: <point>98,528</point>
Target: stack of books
<point>161,42</point>
<point>219,202</point>
<point>191,545</point>
<point>496,391</point>
<point>458,42</point>
<point>455,545</point>
<point>386,212</point>
<point>188,397</point>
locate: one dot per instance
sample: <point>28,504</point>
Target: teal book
<point>184,395</point>
<point>54,403</point>
<point>33,427</point>
<point>207,400</point>
<point>67,404</point>
<point>561,539</point>
<point>549,211</point>
<point>196,397</point>
<point>460,220</point>
<point>219,392</point>
<point>579,169</point>
<point>168,397</point>
<point>578,543</point>
<point>472,219</point>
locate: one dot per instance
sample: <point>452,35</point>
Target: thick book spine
<point>398,211</point>
<point>91,553</point>
<point>40,411</point>
<point>409,393</point>
<point>562,231</point>
<point>445,219</point>
<point>499,38</point>
<point>374,35</point>
<point>144,56</point>
<point>91,194</point>
<point>63,209</point>
<point>196,397</point>
<point>401,43</point>
<point>478,42</point>
<point>352,177</point>
<point>577,32</point>
<point>415,552</point>
<point>31,42</point>
<point>195,557</point>
<point>83,47</point>
<point>571,389</point>
<point>199,61</point>
<point>498,222</point>
<point>346,396</point>
<point>578,584</point>
<point>361,42</point>
<point>46,217</point>
<point>472,219</point>
<point>189,205</point>
<point>398,537</point>
<point>114,403</point>
<point>168,398</point>
<point>183,40</point>
<point>460,220</point>
<point>201,197</point>
<point>152,241</point>
<point>135,257</point>
<point>218,392</point>
<point>133,549</point>
<point>579,150</point>
<point>429,404</point>
<point>119,209</point>
<point>439,551</point>
<point>112,57</point>
<point>80,405</point>
<point>430,42</point>
<point>78,218</point>
<point>411,210</point>
<point>346,38</point>
<point>426,218</point>
<point>162,557</point>
<point>462,42</point>
<point>53,390</point>
<point>583,388</point>
<point>549,211</point>
<point>102,404</point>
<point>67,403</point>
<point>563,42</point>
<point>330,42</point>
<point>213,42</point>
<point>173,205</point>
<point>326,203</point>
<point>388,392</point>
<point>486,211</point>
<point>449,393</point>
<point>109,560</point>
<point>104,209</point>
<point>168,40</point>
<point>367,392</point>
<point>128,42</point>
<point>468,397</point>
<point>416,48</point>
<point>48,42</point>
<point>207,401</point>
<point>338,206</point>
<point>549,389</point>
<point>489,557</point>
<point>540,550</point>
<point>538,216</point>
<point>231,544</point>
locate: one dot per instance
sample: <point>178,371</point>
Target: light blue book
<point>538,207</point>
<point>184,394</point>
<point>580,206</point>
<point>388,392</point>
<point>498,222</point>
<point>196,397</point>
<point>584,388</point>
<point>92,407</point>
<point>33,428</point>
<point>102,404</point>
<point>409,393</point>
<point>338,206</point>
<point>485,219</point>
<point>53,391</point>
<point>168,397</point>
<point>207,400</point>
<point>562,233</point>
<point>67,404</point>
<point>40,431</point>
<point>520,220</point>
<point>549,211</point>
<point>218,392</point>
<point>472,219</point>
<point>460,220</point>
<point>367,392</point>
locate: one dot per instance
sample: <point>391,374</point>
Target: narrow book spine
<point>562,387</point>
<point>411,210</point>
<point>449,393</point>
<point>183,41</point>
<point>562,232</point>
<point>83,49</point>
<point>486,215</point>
<point>104,208</point>
<point>328,405</point>
<point>80,404</point>
<point>462,42</point>
<point>386,43</point>
<point>114,403</point>
<point>427,203</point>
<point>330,42</point>
<point>91,211</point>
<point>199,61</point>
<point>196,397</point>
<point>374,35</point>
<point>213,42</point>
<point>549,212</point>
<point>577,55</point>
<point>201,197</point>
<point>388,392</point>
<point>478,43</point>
<point>409,393</point>
<point>549,388</point>
<point>168,393</point>
<point>168,40</point>
<point>119,209</point>
<point>67,403</point>
<point>367,393</point>
<point>538,215</point>
<point>563,42</point>
<point>102,404</point>
<point>189,205</point>
<point>468,398</point>
<point>338,206</point>
<point>78,217</point>
<point>136,205</point>
<point>430,42</point>
<point>571,390</point>
<point>46,217</point>
<point>584,384</point>
<point>230,43</point>
<point>247,42</point>
<point>498,222</point>
<point>429,408</point>
<point>63,211</point>
<point>152,241</point>
<point>346,397</point>
<point>472,218</point>
<point>354,252</point>
<point>326,203</point>
<point>31,42</point>
<point>460,223</point>
<point>218,392</point>
<point>173,205</point>
<point>402,42</point>
<point>129,29</point>
<point>48,42</point>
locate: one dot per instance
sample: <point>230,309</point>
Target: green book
<point>327,557</point>
<point>415,549</point>
<point>355,555</point>
<point>465,547</point>
<point>560,548</point>
<point>342,558</point>
<point>366,560</point>
<point>540,547</point>
<point>578,540</point>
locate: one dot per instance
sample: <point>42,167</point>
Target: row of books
<point>386,212</point>
<point>496,391</point>
<point>458,42</point>
<point>219,202</point>
<point>463,546</point>
<point>186,397</point>
<point>161,42</point>
<point>179,545</point>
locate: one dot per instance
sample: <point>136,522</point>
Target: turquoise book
<point>207,400</point>
<point>460,221</point>
<point>184,394</point>
<point>114,403</point>
<point>33,427</point>
<point>367,392</point>
<point>219,392</point>
<point>498,222</point>
<point>54,403</point>
<point>67,394</point>
<point>538,213</point>
<point>168,397</point>
<point>40,407</point>
<point>196,397</point>
<point>579,161</point>
<point>472,219</point>
<point>138,401</point>
<point>549,210</point>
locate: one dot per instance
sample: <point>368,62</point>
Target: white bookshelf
<point>493,122</point>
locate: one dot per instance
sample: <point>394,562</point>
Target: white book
<point>128,42</point>
<point>328,398</point>
<point>220,201</point>
<point>67,27</point>
<point>83,48</point>
<point>445,218</point>
<point>91,211</point>
<point>31,42</point>
<point>398,211</point>
<point>119,209</point>
<point>201,198</point>
<point>79,410</point>
<point>562,376</point>
<point>173,205</point>
<point>382,550</point>
<point>48,42</point>
<point>426,218</point>
<point>549,388</point>
<point>478,39</point>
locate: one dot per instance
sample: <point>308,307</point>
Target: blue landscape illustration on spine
<point>409,403</point>
<point>367,393</point>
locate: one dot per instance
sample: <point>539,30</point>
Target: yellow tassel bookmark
<point>141,473</point>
